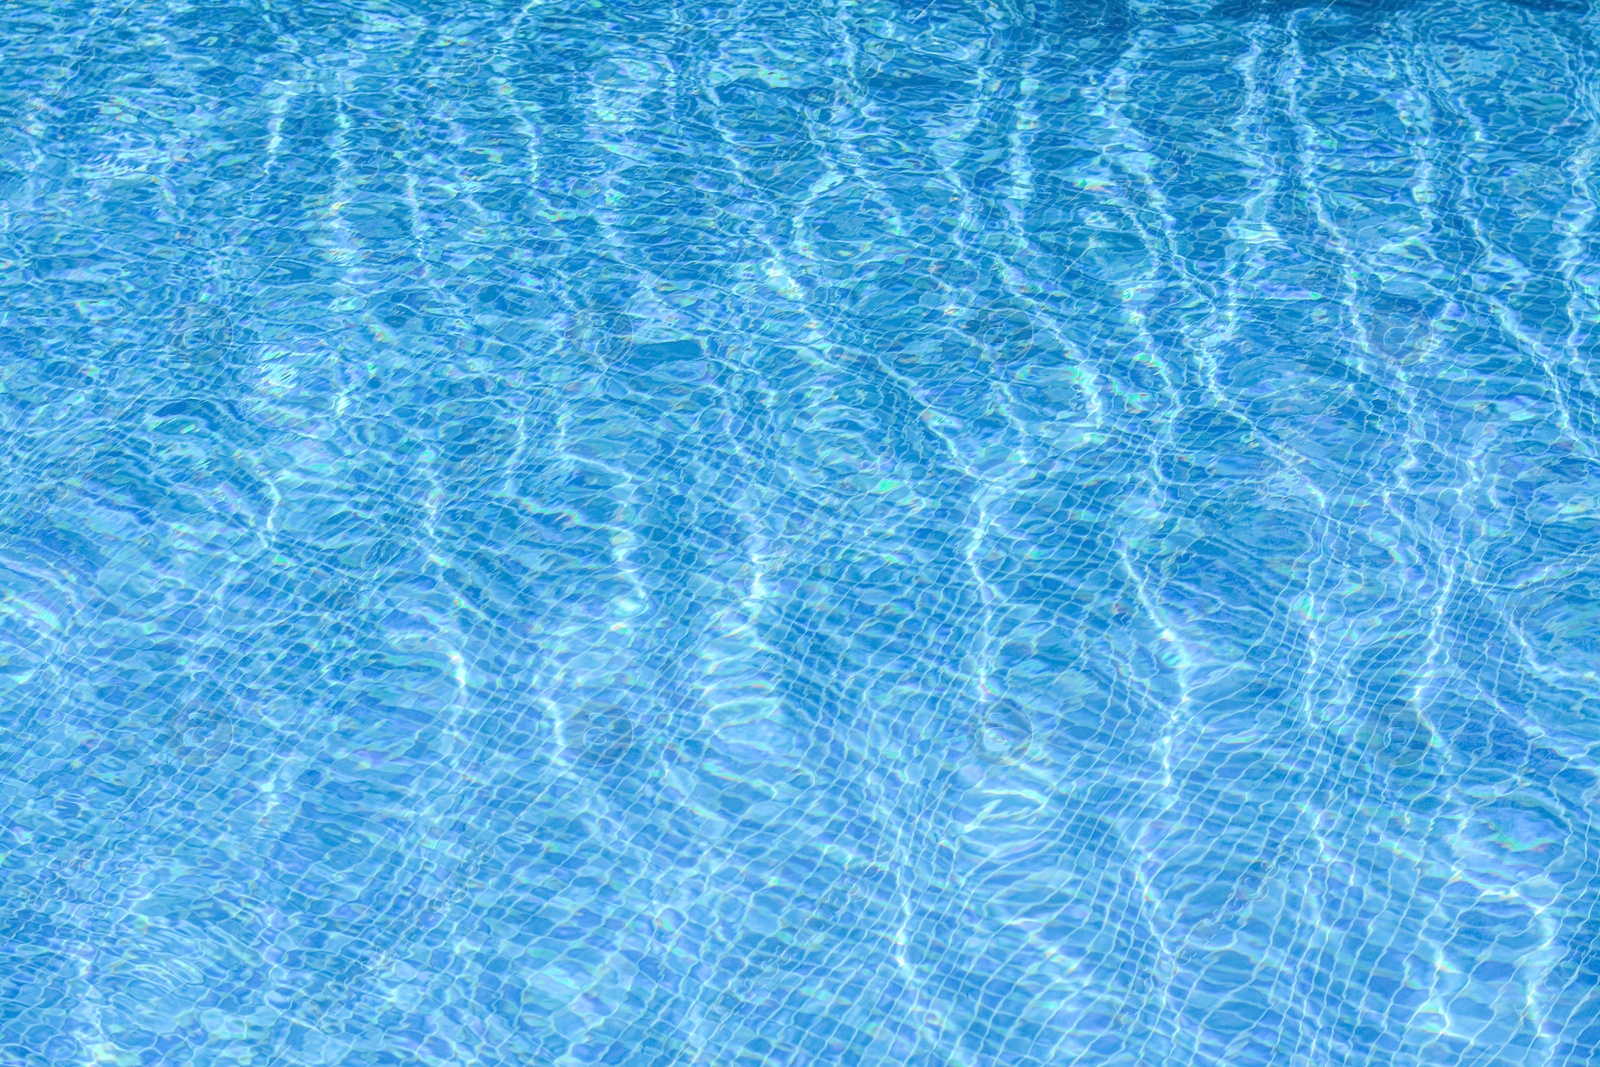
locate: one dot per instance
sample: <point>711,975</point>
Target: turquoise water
<point>908,534</point>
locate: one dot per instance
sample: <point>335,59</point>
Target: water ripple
<point>854,533</point>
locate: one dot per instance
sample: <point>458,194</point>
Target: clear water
<point>820,533</point>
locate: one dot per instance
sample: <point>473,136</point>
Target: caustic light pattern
<point>939,533</point>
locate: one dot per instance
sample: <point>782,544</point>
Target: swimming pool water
<point>924,533</point>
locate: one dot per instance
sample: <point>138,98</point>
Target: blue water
<point>923,533</point>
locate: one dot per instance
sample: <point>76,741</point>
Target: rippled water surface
<point>930,533</point>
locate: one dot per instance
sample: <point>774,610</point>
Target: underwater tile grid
<point>947,532</point>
